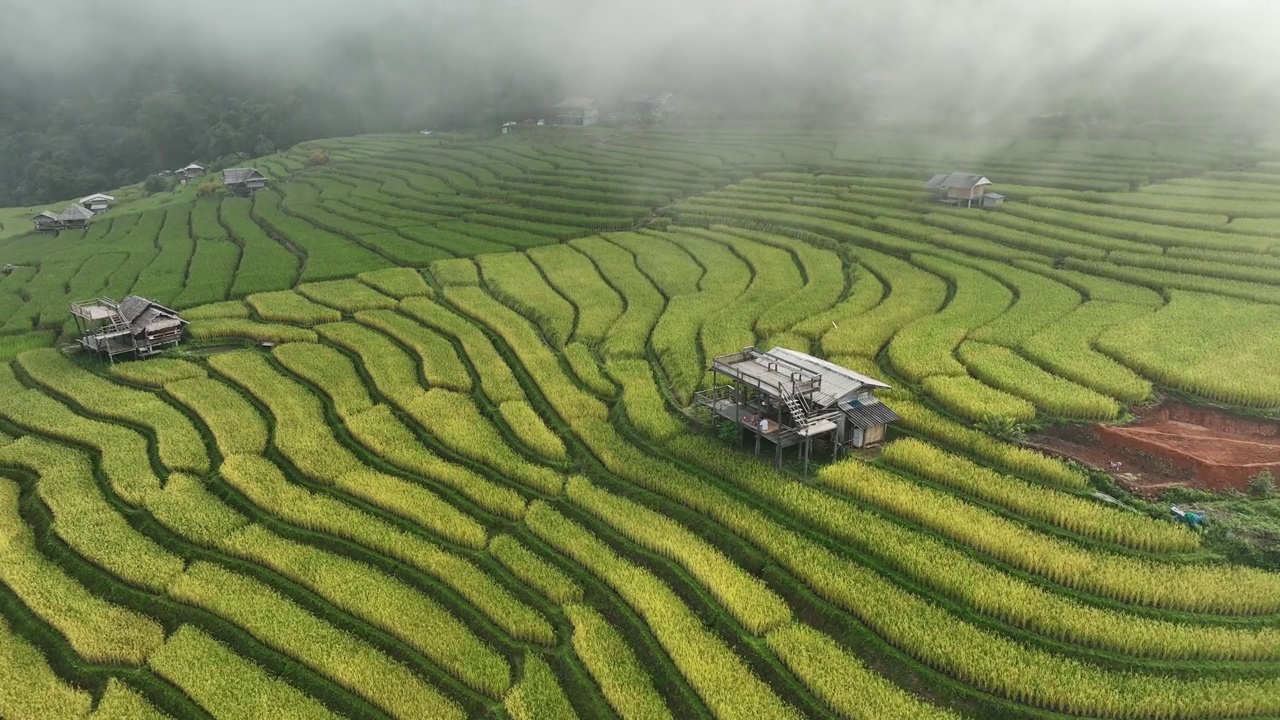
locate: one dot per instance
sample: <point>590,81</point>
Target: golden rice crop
<point>186,507</point>
<point>1020,460</point>
<point>496,379</point>
<point>525,422</point>
<point>1065,349</point>
<point>218,311</point>
<point>455,271</point>
<point>970,654</point>
<point>31,688</point>
<point>394,373</point>
<point>226,684</point>
<point>98,631</point>
<point>534,571</point>
<point>384,602</point>
<point>286,627</point>
<point>303,436</point>
<point>1005,370</point>
<point>349,296</point>
<point>287,306</point>
<point>718,675</point>
<point>571,273</point>
<point>643,302</point>
<point>645,406</point>
<point>1071,513</point>
<point>156,371</point>
<point>456,421</point>
<point>382,432</point>
<point>605,653</point>
<point>235,328</point>
<point>843,682</point>
<point>585,366</point>
<point>265,486</point>
<point>178,442</point>
<point>331,371</point>
<point>235,423</point>
<point>121,701</point>
<point>1213,589</point>
<point>399,283</point>
<point>750,601</point>
<point>538,696</point>
<point>972,400</point>
<point>437,358</point>
<point>925,347</point>
<point>1230,361</point>
<point>514,280</point>
<point>82,517</point>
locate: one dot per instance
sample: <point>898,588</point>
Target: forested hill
<point>68,133</point>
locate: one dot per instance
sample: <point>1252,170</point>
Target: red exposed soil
<point>1174,445</point>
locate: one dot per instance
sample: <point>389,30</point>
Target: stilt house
<point>788,398</point>
<point>243,181</point>
<point>97,203</point>
<point>194,170</point>
<point>577,111</point>
<point>962,188</point>
<point>136,327</point>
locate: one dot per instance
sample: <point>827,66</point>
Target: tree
<point>154,184</point>
<point>263,147</point>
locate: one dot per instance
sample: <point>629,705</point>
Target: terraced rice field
<point>459,485</point>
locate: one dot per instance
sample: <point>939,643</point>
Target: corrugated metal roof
<point>935,181</point>
<point>75,212</point>
<point>241,175</point>
<point>956,181</point>
<point>837,382</point>
<point>97,196</point>
<point>869,414</point>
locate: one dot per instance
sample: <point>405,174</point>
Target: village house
<point>73,217</point>
<point>97,203</point>
<point>243,181</point>
<point>136,327</point>
<point>577,111</point>
<point>962,188</point>
<point>789,398</point>
<point>194,170</point>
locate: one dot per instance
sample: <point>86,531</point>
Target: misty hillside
<point>137,89</point>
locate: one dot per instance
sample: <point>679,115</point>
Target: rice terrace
<point>747,420</point>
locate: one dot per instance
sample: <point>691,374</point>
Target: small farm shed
<point>194,170</point>
<point>46,222</point>
<point>73,217</point>
<point>789,398</point>
<point>135,327</point>
<point>509,127</point>
<point>243,181</point>
<point>97,203</point>
<point>577,111</point>
<point>963,188</point>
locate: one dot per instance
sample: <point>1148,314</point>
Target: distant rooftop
<point>956,181</point>
<point>240,175</point>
